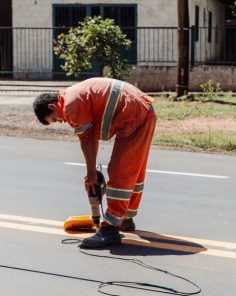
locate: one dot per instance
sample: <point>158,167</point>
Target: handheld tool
<point>95,200</point>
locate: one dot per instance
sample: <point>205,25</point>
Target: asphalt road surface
<point>185,225</point>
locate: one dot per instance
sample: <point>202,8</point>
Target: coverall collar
<point>61,104</point>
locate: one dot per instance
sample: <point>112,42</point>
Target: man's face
<point>55,116</point>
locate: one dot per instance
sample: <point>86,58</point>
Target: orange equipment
<point>93,221</point>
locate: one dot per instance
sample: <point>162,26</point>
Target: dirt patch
<point>188,126</point>
<point>20,121</point>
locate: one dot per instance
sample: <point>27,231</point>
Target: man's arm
<point>90,150</point>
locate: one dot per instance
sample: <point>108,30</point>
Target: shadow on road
<point>144,243</point>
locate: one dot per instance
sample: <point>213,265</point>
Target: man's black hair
<point>40,106</point>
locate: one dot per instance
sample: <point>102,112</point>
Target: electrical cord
<point>154,287</point>
<point>49,273</point>
<point>137,285</point>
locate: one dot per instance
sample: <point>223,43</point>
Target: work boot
<point>127,225</point>
<point>106,235</point>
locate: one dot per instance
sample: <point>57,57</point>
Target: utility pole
<point>183,48</point>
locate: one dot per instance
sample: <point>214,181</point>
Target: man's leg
<point>127,166</point>
<point>126,172</point>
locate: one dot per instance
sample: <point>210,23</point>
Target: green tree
<point>93,40</point>
<point>230,9</point>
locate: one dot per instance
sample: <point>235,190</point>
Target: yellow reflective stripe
<point>110,109</point>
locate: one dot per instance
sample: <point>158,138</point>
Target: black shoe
<point>106,235</point>
<point>127,225</point>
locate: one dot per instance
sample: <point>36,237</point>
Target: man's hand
<point>90,153</point>
<point>89,180</point>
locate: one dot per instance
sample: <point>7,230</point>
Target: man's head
<point>46,108</point>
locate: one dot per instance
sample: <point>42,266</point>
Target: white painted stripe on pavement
<point>164,172</point>
<point>189,174</point>
<point>31,220</point>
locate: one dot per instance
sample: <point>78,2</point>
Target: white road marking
<point>142,238</point>
<point>31,220</point>
<point>165,172</point>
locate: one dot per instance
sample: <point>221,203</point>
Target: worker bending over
<point>98,109</point>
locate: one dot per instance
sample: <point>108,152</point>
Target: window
<point>196,23</point>
<point>217,31</point>
<point>125,16</point>
<point>209,26</point>
<point>68,16</point>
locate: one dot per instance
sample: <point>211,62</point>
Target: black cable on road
<point>50,273</point>
<point>154,287</point>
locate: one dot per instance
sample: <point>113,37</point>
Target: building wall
<point>216,7</point>
<point>151,13</point>
<point>216,46</point>
<point>163,13</point>
<point>224,75</point>
<point>38,13</point>
<point>157,79</point>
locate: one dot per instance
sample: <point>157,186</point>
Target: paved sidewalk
<point>17,100</point>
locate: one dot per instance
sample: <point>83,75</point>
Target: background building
<point>26,45</point>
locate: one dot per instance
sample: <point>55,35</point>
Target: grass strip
<point>219,142</point>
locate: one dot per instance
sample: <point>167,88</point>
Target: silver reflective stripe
<point>110,219</point>
<point>83,128</point>
<point>139,187</point>
<point>110,109</point>
<point>131,213</point>
<point>120,194</point>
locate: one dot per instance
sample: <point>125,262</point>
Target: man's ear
<point>52,106</point>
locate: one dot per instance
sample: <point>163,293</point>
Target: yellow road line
<point>141,238</point>
<point>182,248</point>
<point>199,241</point>
<point>145,234</point>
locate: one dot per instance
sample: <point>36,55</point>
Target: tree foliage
<point>230,9</point>
<point>93,40</point>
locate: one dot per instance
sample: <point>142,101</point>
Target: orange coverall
<point>99,108</point>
